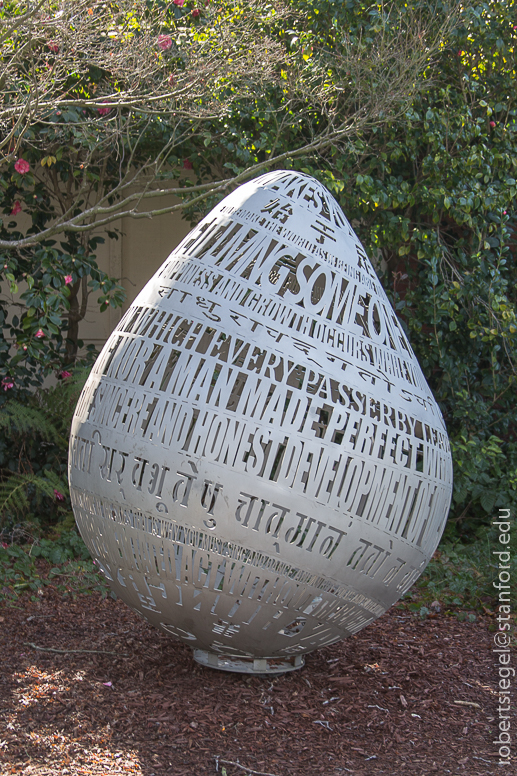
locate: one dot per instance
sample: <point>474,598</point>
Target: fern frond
<point>13,494</point>
<point>59,402</point>
<point>21,419</point>
<point>19,493</point>
<point>51,482</point>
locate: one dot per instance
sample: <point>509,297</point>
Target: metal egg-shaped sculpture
<point>257,464</point>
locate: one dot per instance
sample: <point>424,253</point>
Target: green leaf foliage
<point>20,492</point>
<point>62,561</point>
<point>463,577</point>
<point>34,436</point>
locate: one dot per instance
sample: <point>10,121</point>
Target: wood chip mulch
<point>404,696</point>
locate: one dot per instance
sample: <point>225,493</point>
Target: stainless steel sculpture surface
<point>256,462</point>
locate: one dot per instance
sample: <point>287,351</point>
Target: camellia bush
<point>108,105</point>
<point>97,102</point>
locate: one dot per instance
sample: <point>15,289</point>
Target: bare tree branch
<point>102,80</point>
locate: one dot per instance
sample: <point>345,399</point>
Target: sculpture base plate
<point>249,665</point>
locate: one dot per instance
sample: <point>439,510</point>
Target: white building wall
<point>142,247</point>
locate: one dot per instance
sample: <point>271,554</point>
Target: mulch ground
<point>404,696</point>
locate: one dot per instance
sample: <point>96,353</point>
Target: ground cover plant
<point>30,567</point>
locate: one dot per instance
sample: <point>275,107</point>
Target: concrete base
<point>248,665</point>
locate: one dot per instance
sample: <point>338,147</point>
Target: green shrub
<point>34,432</point>
<point>461,576</point>
<point>63,561</point>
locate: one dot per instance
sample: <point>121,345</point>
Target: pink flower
<point>68,279</point>
<point>7,383</point>
<point>22,166</point>
<point>53,46</point>
<point>179,2</point>
<point>16,208</point>
<point>196,12</point>
<point>187,164</point>
<point>492,124</point>
<point>59,496</point>
<point>64,374</point>
<point>164,42</point>
<point>103,111</point>
<point>40,333</point>
<point>5,545</point>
